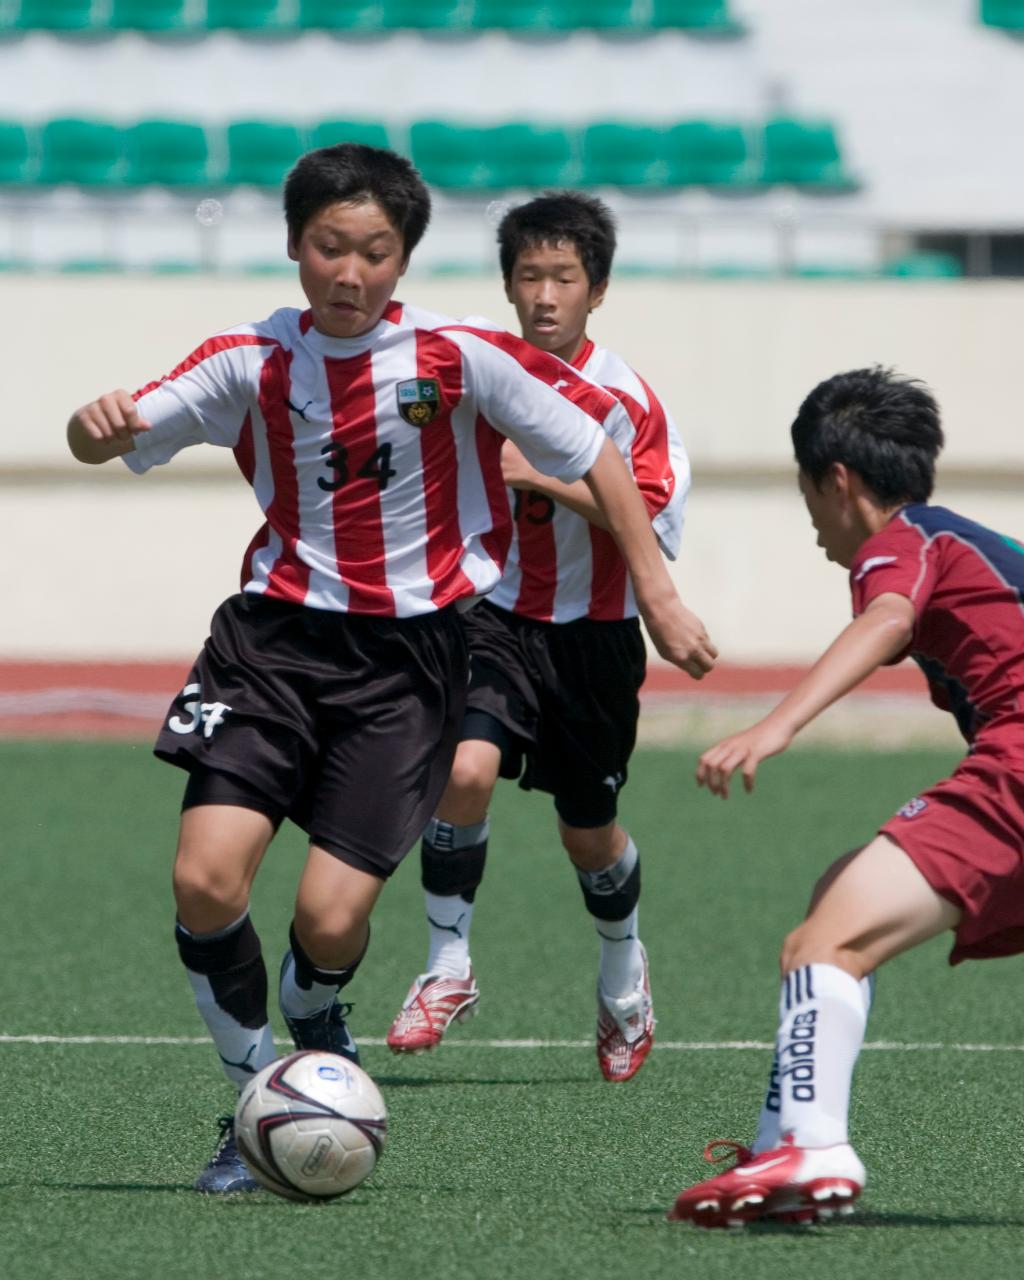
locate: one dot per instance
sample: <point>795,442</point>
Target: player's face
<point>553,298</point>
<point>834,518</point>
<point>350,260</point>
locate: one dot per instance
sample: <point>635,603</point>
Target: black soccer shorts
<point>346,724</point>
<point>561,701</point>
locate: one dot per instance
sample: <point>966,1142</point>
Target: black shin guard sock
<point>233,965</point>
<point>451,872</point>
<point>306,972</point>
<point>610,896</point>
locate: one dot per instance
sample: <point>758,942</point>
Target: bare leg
<point>220,848</point>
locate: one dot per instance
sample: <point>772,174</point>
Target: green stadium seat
<point>87,152</point>
<point>91,266</point>
<point>616,154</point>
<point>371,133</point>
<point>341,15</point>
<point>253,16</point>
<point>805,153</point>
<point>163,17</point>
<point>554,15</point>
<point>260,152</point>
<point>170,153</point>
<point>709,153</point>
<point>924,266</point>
<point>432,15</point>
<point>15,153</point>
<point>55,15</point>
<point>832,271</point>
<point>1007,14</point>
<point>509,155</point>
<point>710,16</point>
<point>531,155</point>
<point>451,155</point>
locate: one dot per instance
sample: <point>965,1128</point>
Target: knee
<point>592,848</point>
<point>805,945</point>
<point>205,892</point>
<point>331,937</point>
<point>471,782</point>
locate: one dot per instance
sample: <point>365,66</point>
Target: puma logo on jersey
<point>295,408</point>
<point>557,386</point>
<point>614,781</point>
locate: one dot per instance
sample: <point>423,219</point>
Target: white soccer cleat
<point>796,1185</point>
<point>434,1002</point>
<point>625,1029</point>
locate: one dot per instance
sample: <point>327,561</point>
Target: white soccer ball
<point>310,1126</point>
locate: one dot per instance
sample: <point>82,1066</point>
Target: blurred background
<point>801,186</point>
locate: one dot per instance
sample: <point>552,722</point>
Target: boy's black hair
<point>559,217</point>
<point>883,426</point>
<point>351,173</point>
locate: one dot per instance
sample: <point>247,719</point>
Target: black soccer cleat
<point>325,1030</point>
<point>226,1174</point>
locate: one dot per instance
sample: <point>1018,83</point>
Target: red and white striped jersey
<point>560,566</point>
<point>376,459</point>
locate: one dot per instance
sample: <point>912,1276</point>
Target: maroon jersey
<point>966,584</point>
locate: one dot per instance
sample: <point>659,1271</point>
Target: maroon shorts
<point>966,837</point>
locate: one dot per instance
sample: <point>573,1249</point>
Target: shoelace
<point>726,1148</point>
<point>227,1136</point>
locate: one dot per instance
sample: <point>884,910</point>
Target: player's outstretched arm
<point>105,428</point>
<point>519,474</point>
<point>880,633</point>
<point>678,635</point>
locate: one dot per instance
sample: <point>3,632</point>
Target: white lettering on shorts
<point>207,714</point>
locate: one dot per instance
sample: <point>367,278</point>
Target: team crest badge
<point>419,400</point>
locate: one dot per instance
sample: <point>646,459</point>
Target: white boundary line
<point>677,1046</point>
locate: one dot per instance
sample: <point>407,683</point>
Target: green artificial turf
<point>519,1163</point>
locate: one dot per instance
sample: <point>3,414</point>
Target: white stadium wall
<point>100,563</point>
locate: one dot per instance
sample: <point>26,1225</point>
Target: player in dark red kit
<point>331,688</point>
<point>948,592</point>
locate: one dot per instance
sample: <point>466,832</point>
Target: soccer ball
<point>310,1126</point>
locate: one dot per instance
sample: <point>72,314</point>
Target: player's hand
<point>113,417</point>
<point>515,470</point>
<point>743,751</point>
<point>680,636</point>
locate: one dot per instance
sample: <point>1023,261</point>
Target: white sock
<point>301,1002</point>
<point>822,1017</point>
<point>448,920</point>
<point>243,1050</point>
<point>769,1131</point>
<point>621,968</point>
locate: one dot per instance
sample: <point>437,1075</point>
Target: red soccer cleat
<point>434,1002</point>
<point>625,1030</point>
<point>788,1184</point>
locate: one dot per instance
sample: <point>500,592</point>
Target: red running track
<point>128,699</point>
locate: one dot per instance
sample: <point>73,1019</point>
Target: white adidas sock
<point>769,1131</point>
<point>821,1028</point>
<point>448,920</point>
